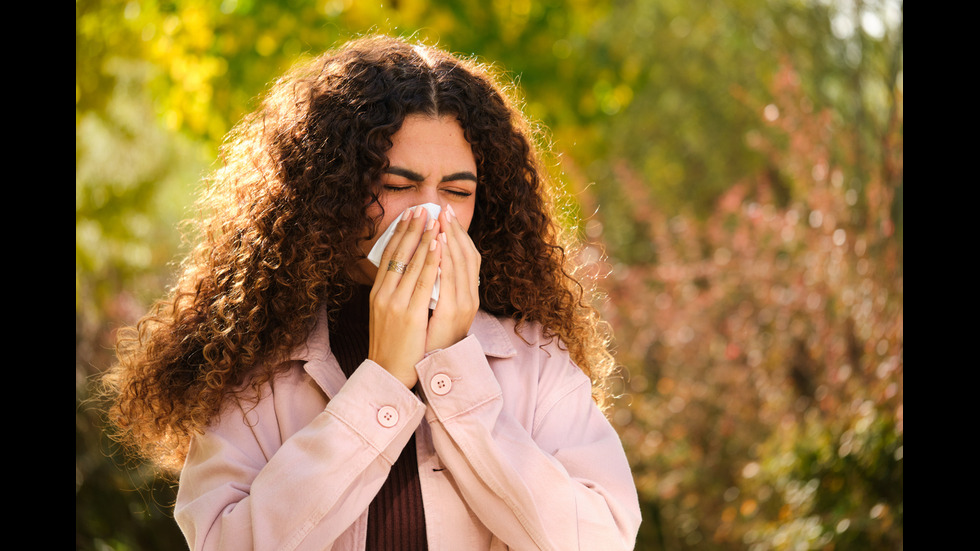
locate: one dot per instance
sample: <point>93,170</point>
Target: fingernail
<point>432,245</point>
<point>418,211</point>
<point>408,213</point>
<point>432,222</point>
<point>443,236</point>
<point>451,211</point>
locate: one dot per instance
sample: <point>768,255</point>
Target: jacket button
<point>388,416</point>
<point>441,384</point>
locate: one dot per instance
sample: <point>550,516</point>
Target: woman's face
<point>430,161</point>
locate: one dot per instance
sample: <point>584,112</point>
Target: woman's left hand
<point>459,295</point>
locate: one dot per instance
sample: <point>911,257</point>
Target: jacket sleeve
<point>245,487</point>
<point>564,484</point>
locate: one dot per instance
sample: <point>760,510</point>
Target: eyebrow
<point>416,177</point>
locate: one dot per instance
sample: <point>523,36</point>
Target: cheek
<point>465,220</point>
<point>465,213</point>
<point>393,208</point>
<point>374,212</point>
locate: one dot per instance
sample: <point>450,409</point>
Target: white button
<point>441,384</point>
<point>388,416</point>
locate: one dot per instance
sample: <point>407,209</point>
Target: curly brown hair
<point>285,212</point>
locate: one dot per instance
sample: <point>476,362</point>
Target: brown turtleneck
<point>396,519</point>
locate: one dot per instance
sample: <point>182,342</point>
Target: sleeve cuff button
<point>388,416</point>
<point>441,384</point>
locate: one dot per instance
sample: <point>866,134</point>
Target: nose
<point>430,195</point>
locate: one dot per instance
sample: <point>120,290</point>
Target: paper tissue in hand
<point>375,255</point>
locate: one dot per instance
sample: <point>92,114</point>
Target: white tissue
<point>375,255</point>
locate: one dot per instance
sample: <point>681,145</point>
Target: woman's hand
<point>400,299</point>
<point>459,296</point>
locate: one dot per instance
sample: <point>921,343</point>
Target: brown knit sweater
<point>396,519</point>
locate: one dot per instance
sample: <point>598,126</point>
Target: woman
<point>312,400</point>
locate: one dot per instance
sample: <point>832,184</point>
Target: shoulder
<point>530,361</point>
<point>270,407</point>
<point>540,381</point>
<point>537,348</point>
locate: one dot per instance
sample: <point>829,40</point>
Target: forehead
<point>425,139</point>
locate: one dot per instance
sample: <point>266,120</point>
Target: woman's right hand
<point>400,300</point>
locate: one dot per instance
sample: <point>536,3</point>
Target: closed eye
<point>389,187</point>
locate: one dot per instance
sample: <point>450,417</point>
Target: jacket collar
<point>324,368</point>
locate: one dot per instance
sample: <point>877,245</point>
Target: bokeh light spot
<point>840,236</point>
<point>815,219</point>
<point>771,112</point>
<point>562,48</point>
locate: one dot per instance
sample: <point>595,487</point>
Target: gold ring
<point>395,266</point>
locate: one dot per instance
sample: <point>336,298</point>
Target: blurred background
<point>736,169</point>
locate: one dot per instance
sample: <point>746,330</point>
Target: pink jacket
<point>512,453</point>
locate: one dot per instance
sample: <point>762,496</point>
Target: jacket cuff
<point>457,379</point>
<point>379,408</point>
